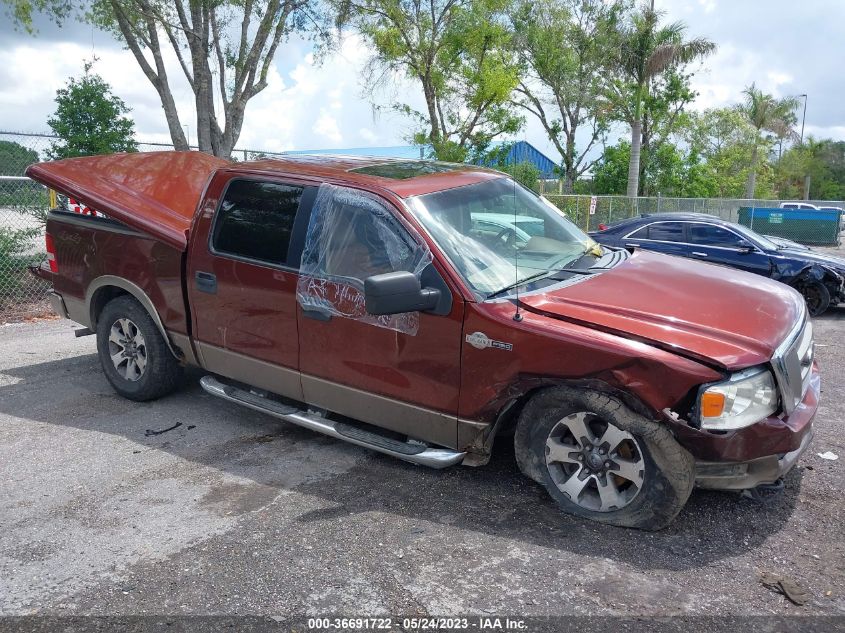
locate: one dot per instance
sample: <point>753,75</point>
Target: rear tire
<point>134,355</point>
<point>600,460</point>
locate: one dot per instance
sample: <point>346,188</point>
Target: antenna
<point>517,316</point>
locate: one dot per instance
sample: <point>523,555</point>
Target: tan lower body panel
<point>402,417</point>
<point>258,373</point>
<point>417,422</point>
<point>183,343</point>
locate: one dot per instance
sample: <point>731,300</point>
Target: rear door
<point>401,372</point>
<point>664,237</point>
<point>719,245</point>
<point>242,275</point>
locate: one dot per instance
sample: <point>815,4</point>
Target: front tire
<point>134,355</point>
<point>600,460</point>
<point>816,295</point>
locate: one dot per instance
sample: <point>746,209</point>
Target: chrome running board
<point>407,451</point>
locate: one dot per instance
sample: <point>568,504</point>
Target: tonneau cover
<point>154,192</point>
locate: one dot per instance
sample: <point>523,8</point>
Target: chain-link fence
<point>821,226</point>
<point>24,203</point>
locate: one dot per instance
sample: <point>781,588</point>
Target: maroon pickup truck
<point>424,309</point>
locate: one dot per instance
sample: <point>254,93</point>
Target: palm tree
<point>646,50</point>
<point>764,112</point>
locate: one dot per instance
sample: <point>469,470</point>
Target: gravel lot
<point>237,513</point>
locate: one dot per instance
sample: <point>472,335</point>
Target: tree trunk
<point>634,164</point>
<point>751,185</point>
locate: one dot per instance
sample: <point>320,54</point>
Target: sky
<point>787,48</point>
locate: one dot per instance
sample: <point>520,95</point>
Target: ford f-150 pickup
<point>370,300</point>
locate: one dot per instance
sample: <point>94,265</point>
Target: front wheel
<point>599,460</point>
<point>816,295</point>
<point>133,353</point>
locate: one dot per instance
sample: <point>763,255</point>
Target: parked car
<point>350,296</point>
<point>816,275</point>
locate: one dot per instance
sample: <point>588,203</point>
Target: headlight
<point>747,397</point>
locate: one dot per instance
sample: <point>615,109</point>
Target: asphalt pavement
<point>234,512</point>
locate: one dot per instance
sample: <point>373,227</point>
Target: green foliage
<point>21,11</point>
<point>651,57</point>
<point>565,50</point>
<point>458,53</point>
<point>89,120</point>
<point>16,253</point>
<point>525,173</point>
<point>15,158</point>
<point>823,161</point>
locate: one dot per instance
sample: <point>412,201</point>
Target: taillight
<point>51,253</point>
<point>602,227</point>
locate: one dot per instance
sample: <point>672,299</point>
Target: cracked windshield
<point>500,235</point>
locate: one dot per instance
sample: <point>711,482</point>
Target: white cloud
<point>326,126</point>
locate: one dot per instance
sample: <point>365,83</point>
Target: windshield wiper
<point>545,273</point>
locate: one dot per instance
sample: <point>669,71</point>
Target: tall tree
<point>564,48</point>
<point>766,113</point>
<point>15,158</point>
<point>90,120</point>
<point>225,49</point>
<point>646,50</point>
<point>458,53</point>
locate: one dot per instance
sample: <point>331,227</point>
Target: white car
<point>798,205</point>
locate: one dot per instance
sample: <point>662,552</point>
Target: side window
<point>711,235</point>
<point>639,234</point>
<point>255,220</point>
<point>666,231</point>
<point>353,235</point>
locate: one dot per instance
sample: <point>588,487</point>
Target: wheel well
<point>101,297</point>
<point>509,413</point>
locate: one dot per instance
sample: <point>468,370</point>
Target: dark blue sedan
<point>816,275</point>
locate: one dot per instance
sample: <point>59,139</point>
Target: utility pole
<point>803,118</point>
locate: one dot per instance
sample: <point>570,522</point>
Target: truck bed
<point>156,193</point>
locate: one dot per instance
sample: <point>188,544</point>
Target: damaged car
<point>429,311</point>
<point>816,275</point>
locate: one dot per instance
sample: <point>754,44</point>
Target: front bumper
<point>789,436</point>
<point>746,475</point>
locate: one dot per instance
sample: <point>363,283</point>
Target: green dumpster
<point>805,226</point>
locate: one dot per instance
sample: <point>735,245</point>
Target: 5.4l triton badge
<point>479,340</point>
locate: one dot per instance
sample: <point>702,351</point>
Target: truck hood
<point>154,192</point>
<point>714,314</point>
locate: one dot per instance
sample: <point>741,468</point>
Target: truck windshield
<point>498,234</point>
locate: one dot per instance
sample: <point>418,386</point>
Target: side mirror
<point>394,293</point>
<point>746,249</point>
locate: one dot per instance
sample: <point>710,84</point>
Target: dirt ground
<point>235,512</point>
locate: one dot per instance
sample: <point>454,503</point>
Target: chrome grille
<point>793,364</point>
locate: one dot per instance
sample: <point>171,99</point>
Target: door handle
<point>206,282</point>
<point>699,254</point>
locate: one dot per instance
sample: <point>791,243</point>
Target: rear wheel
<point>600,460</point>
<point>133,353</point>
<point>816,295</point>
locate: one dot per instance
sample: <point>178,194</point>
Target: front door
<point>401,372</point>
<point>718,245</point>
<point>242,283</point>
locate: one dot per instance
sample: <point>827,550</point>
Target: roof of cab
<point>401,176</point>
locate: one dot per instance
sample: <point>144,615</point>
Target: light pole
<point>804,117</point>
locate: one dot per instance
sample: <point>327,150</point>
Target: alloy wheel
<point>127,349</point>
<point>596,464</point>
